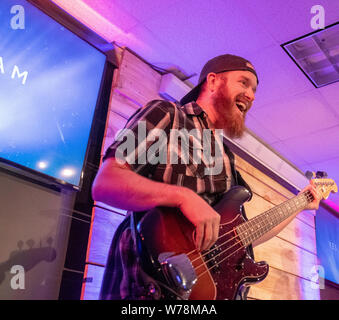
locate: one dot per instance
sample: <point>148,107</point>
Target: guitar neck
<point>256,227</point>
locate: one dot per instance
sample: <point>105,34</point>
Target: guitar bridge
<point>179,272</point>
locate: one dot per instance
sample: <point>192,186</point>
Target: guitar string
<point>237,235</point>
<point>309,197</point>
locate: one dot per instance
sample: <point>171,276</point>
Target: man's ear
<point>211,81</point>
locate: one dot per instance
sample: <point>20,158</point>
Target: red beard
<point>230,119</point>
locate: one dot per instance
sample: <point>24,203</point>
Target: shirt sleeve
<point>143,141</point>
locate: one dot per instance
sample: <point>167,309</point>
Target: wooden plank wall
<point>134,84</point>
<point>291,254</point>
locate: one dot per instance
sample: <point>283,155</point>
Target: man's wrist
<point>179,195</point>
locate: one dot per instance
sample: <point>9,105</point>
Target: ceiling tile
<point>296,116</point>
<point>279,77</point>
<point>331,96</point>
<point>308,167</point>
<point>264,134</point>
<point>281,20</point>
<point>286,20</point>
<point>316,147</point>
<point>284,149</point>
<point>108,9</point>
<point>145,9</point>
<point>145,44</point>
<point>204,29</point>
<point>330,166</point>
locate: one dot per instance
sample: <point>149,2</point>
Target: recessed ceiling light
<point>317,55</point>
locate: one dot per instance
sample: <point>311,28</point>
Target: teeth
<point>241,106</point>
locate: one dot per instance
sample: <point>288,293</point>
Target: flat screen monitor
<point>327,235</point>
<point>49,85</point>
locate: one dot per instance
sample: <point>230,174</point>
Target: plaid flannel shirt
<point>124,278</point>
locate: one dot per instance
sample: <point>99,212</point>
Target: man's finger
<point>216,227</point>
<point>199,234</point>
<point>208,237</point>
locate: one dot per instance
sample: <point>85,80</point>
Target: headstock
<point>325,187</point>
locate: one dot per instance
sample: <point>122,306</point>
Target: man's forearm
<point>275,231</point>
<point>117,185</point>
<point>125,189</point>
<point>314,205</point>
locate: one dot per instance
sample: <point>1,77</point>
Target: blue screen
<point>49,85</point>
<point>327,235</point>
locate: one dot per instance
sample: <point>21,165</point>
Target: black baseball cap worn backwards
<point>225,62</point>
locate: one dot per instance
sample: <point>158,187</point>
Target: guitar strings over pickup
<point>178,271</point>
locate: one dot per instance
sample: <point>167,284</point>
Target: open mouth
<point>241,106</point>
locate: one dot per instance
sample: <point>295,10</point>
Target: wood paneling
<point>137,80</point>
<point>286,256</point>
<point>292,253</point>
<point>104,224</point>
<point>280,285</point>
<point>242,164</point>
<point>115,123</point>
<point>92,282</point>
<point>123,106</point>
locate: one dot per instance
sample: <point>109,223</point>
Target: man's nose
<point>250,94</point>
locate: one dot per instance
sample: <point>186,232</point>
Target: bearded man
<point>220,102</point>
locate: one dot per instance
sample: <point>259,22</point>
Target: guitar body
<point>221,272</point>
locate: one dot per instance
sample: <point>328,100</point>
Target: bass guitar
<point>165,244</point>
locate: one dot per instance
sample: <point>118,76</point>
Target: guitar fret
<point>256,227</point>
<point>261,224</point>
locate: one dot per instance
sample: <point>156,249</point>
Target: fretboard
<point>256,227</point>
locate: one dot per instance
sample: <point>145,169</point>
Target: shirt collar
<point>192,108</point>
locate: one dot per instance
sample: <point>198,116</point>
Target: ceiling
<point>290,114</point>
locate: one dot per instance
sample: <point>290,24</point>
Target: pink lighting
<point>92,19</point>
<point>332,206</point>
<point>99,16</point>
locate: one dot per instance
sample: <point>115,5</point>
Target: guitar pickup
<point>178,271</point>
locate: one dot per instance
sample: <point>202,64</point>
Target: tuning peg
<point>321,174</point>
<point>309,174</point>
